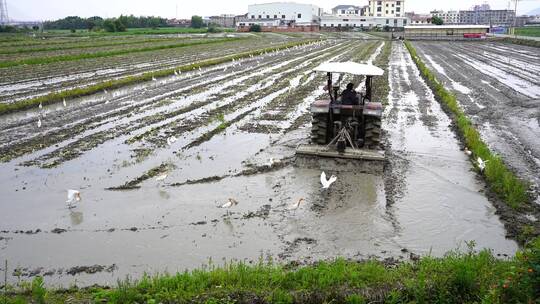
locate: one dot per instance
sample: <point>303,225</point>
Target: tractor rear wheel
<point>372,138</point>
<point>319,127</point>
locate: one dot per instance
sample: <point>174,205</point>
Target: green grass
<point>533,31</point>
<point>116,83</point>
<point>96,44</point>
<point>458,277</point>
<point>131,31</point>
<point>62,58</point>
<point>526,42</point>
<point>500,179</point>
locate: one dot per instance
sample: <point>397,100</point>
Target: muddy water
<point>504,100</point>
<point>437,204</point>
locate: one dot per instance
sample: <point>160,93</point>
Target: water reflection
<point>76,217</point>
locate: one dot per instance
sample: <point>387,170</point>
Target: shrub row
<point>116,83</point>
<point>501,180</point>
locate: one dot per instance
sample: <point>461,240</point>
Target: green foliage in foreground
<point>62,58</point>
<point>459,277</point>
<point>533,31</point>
<point>116,83</point>
<point>501,180</point>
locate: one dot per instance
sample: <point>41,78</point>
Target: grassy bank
<point>93,55</point>
<point>130,31</point>
<point>532,31</point>
<point>459,277</point>
<point>116,83</point>
<point>501,180</point>
<point>526,42</point>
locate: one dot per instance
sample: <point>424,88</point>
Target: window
<point>379,2</point>
<point>252,16</point>
<point>356,12</point>
<point>267,16</point>
<point>387,21</point>
<point>260,17</point>
<point>392,4</point>
<point>398,3</point>
<point>404,21</point>
<point>398,9</point>
<point>275,16</point>
<point>387,12</point>
<point>282,16</point>
<point>343,11</point>
<point>386,4</point>
<point>395,21</point>
<point>392,12</point>
<point>379,9</point>
<point>299,16</point>
<point>397,15</point>
<point>346,20</point>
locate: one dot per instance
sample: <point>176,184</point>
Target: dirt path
<point>504,99</point>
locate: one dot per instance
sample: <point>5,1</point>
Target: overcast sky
<point>55,9</point>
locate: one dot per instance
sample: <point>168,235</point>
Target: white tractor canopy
<point>350,68</point>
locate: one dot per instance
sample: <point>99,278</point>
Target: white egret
<point>154,78</point>
<point>39,123</point>
<point>64,102</point>
<point>467,151</point>
<point>481,164</point>
<point>73,196</point>
<point>161,177</point>
<point>296,205</point>
<point>231,202</point>
<point>171,140</point>
<point>326,183</point>
<point>40,106</point>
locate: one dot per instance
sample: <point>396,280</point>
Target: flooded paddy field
<point>498,86</point>
<point>229,132</point>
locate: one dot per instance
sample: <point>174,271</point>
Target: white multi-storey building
<point>386,8</point>
<point>300,14</point>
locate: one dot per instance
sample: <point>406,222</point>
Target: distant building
<point>445,32</point>
<point>179,22</point>
<point>478,16</point>
<point>301,14</point>
<point>349,10</point>
<point>223,20</point>
<point>281,16</point>
<point>386,8</point>
<point>418,19</point>
<point>332,22</point>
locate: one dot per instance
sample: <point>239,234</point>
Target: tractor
<point>350,131</point>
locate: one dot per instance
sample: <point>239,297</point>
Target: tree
<point>120,27</point>
<point>437,20</point>
<point>197,22</point>
<point>255,28</point>
<point>109,25</point>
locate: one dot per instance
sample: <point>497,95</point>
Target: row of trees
<point>111,25</point>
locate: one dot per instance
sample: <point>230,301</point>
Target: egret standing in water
<point>73,196</point>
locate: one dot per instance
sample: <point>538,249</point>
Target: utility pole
<point>515,18</point>
<point>4,17</point>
